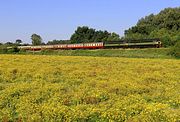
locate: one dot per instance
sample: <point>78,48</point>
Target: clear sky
<point>57,19</point>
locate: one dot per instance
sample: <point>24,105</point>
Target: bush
<point>175,50</point>
<point>3,49</point>
<point>46,51</point>
<point>22,50</point>
<point>14,49</point>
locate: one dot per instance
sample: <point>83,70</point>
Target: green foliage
<point>165,25</point>
<point>175,50</point>
<point>113,37</point>
<point>86,34</point>
<point>36,39</point>
<point>128,53</point>
<point>22,51</point>
<point>58,42</point>
<point>18,41</point>
<point>3,49</point>
<point>13,49</point>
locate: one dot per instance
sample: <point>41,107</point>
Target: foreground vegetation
<point>128,53</point>
<point>55,88</point>
<point>165,53</point>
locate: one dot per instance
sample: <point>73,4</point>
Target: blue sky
<point>57,19</point>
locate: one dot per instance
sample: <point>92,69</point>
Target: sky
<point>58,19</point>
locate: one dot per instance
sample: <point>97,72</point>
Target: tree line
<point>83,34</point>
<point>165,25</point>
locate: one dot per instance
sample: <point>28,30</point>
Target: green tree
<point>18,41</point>
<point>86,34</point>
<point>83,34</point>
<point>165,25</point>
<point>113,37</point>
<point>36,39</point>
<point>58,42</point>
<point>175,50</point>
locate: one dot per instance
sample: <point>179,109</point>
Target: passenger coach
<point>95,45</point>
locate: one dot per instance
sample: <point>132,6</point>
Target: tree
<point>9,43</point>
<point>18,41</point>
<point>36,39</point>
<point>83,34</point>
<point>175,50</point>
<point>58,42</point>
<point>113,37</point>
<point>164,35</point>
<point>165,25</point>
<point>86,34</point>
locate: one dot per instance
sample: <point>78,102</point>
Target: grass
<point>127,53</point>
<point>81,88</point>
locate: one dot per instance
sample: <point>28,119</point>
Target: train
<point>143,43</point>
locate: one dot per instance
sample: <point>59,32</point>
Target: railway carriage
<point>98,45</point>
<point>59,46</point>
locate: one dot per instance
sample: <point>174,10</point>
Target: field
<point>56,88</point>
<point>162,53</point>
